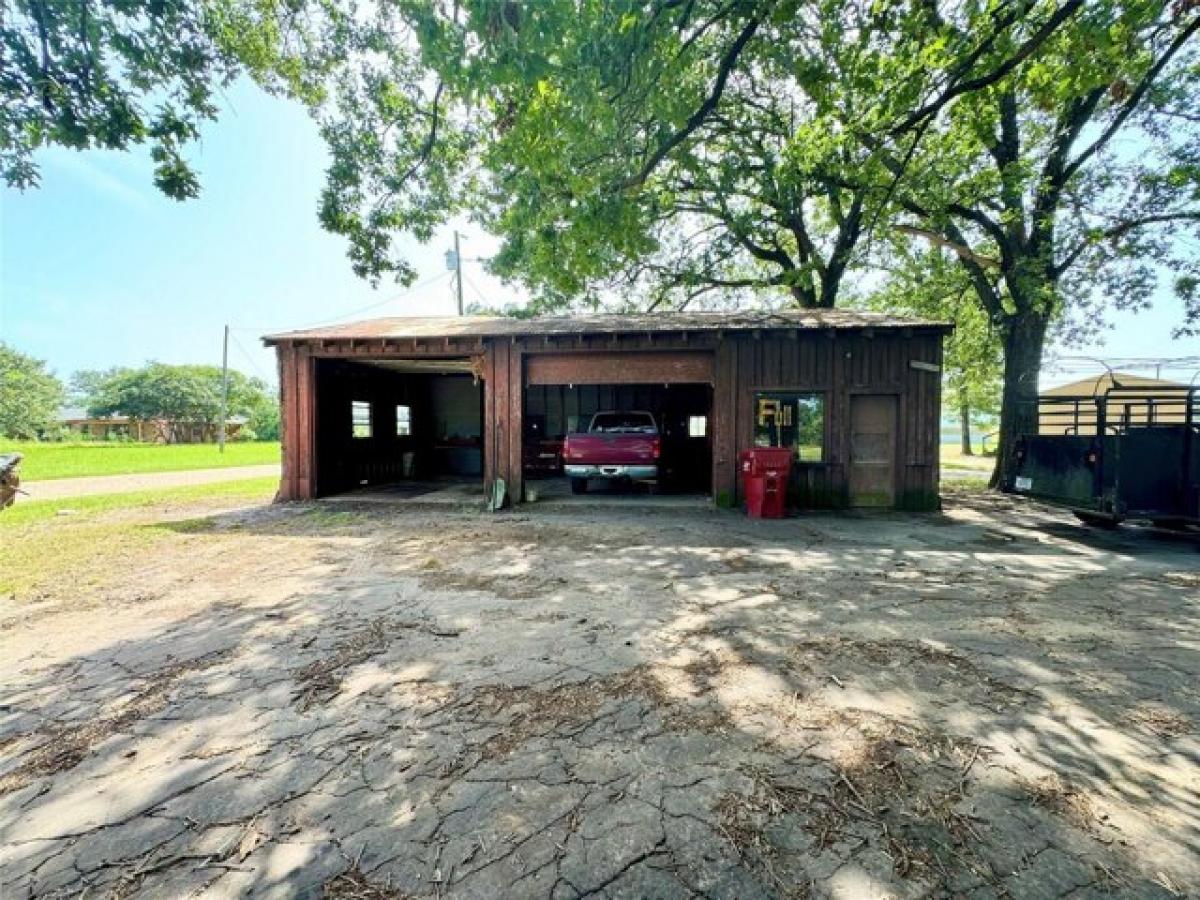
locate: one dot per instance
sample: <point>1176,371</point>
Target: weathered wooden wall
<point>836,363</point>
<point>503,416</point>
<point>621,367</point>
<point>298,426</point>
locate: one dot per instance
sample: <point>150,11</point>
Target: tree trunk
<point>803,297</point>
<point>1024,337</point>
<point>964,418</point>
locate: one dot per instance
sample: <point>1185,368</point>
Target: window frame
<point>355,424</point>
<point>703,426</point>
<point>407,421</point>
<point>773,392</point>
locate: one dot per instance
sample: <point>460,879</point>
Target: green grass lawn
<point>45,461</point>
<point>52,545</point>
<point>952,458</point>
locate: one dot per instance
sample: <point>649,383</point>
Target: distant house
<point>1132,399</point>
<point>157,431</point>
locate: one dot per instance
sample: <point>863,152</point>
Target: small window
<point>403,421</point>
<point>360,418</point>
<point>791,420</point>
<point>697,426</point>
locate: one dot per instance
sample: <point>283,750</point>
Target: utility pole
<point>224,390</point>
<point>458,271</point>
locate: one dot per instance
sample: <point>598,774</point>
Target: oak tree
<point>1066,180</point>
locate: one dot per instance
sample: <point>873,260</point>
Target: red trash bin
<point>765,473</point>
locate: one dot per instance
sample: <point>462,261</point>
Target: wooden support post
<point>516,424</point>
<point>297,399</point>
<point>724,472</point>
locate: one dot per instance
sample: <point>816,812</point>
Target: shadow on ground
<point>377,702</point>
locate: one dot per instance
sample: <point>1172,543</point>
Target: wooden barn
<point>857,396</point>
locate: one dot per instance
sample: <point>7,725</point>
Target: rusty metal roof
<point>404,327</point>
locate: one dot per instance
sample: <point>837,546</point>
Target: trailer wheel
<point>1097,520</point>
<point>578,485</point>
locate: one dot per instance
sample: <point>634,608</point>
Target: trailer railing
<point>1132,451</point>
<point>1119,409</point>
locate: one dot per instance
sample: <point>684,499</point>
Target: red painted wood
<point>501,352</point>
<point>516,426</point>
<point>408,349</point>
<point>647,367</point>
<point>724,474</point>
<point>489,416</point>
<point>306,420</point>
<point>287,421</point>
<point>735,364</point>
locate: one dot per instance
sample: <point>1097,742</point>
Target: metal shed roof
<point>608,323</point>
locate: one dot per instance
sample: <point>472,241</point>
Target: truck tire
<point>578,485</point>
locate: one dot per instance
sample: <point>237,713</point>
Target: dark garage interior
<point>387,421</point>
<point>397,423</point>
<point>683,413</point>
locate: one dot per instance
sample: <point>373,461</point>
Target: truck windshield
<point>624,423</point>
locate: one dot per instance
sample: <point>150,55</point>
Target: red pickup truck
<point>616,445</point>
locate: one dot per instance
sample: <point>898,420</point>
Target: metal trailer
<point>1129,453</point>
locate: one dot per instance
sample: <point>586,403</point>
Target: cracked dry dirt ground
<point>990,702</point>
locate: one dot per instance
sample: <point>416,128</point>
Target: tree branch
<point>961,250</point>
<point>727,64</point>
<point>1039,37</point>
<point>1121,229</point>
<point>430,139</point>
<point>1134,99</point>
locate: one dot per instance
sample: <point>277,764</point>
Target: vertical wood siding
<point>297,423</point>
<point>835,363</point>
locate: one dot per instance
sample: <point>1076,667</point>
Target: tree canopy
<point>114,74</point>
<point>1068,184</point>
<point>30,395</point>
<point>659,153</point>
<point>178,397</point>
<point>679,152</point>
<point>681,148</point>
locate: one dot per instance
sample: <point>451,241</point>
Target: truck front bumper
<point>636,473</point>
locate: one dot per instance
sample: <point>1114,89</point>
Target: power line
<point>1155,366</point>
<point>1072,362</point>
<point>478,292</point>
<point>250,359</point>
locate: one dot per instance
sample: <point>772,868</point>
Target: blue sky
<point>99,269</point>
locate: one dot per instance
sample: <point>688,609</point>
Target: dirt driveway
<point>365,703</point>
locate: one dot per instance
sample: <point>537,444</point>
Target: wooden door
<point>873,450</point>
